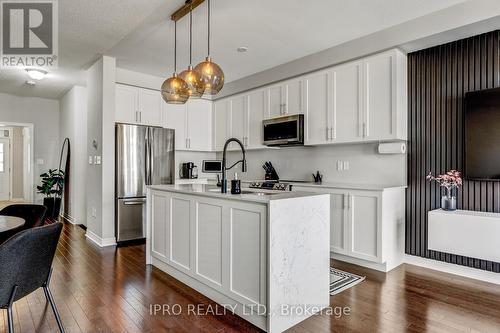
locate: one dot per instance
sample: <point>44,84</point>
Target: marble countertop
<point>214,192</point>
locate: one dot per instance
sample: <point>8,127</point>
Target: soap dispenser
<point>235,185</point>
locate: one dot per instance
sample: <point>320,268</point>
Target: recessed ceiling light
<point>242,49</point>
<point>36,74</point>
<point>30,83</point>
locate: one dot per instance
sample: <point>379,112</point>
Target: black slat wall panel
<point>438,78</point>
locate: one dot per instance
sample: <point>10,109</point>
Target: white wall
<point>44,115</point>
<point>298,163</point>
<point>100,130</point>
<point>73,120</point>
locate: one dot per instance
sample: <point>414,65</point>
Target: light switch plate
<point>91,160</point>
<point>346,165</point>
<point>339,165</point>
<point>40,161</point>
<point>97,159</point>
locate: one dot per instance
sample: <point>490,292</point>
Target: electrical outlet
<point>346,165</point>
<point>339,166</point>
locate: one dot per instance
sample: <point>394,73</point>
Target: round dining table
<point>10,222</point>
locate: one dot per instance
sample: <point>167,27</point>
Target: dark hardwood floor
<point>111,290</point>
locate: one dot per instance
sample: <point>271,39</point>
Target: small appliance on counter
<point>188,171</point>
<point>271,173</point>
<point>318,178</point>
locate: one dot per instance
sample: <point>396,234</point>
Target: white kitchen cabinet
<point>384,95</point>
<point>192,123</point>
<point>175,117</point>
<point>366,226</point>
<point>256,113</point>
<point>135,105</point>
<point>365,237</point>
<point>239,115</point>
<point>318,108</point>
<point>199,129</point>
<point>219,243</point>
<point>220,127</point>
<point>286,98</point>
<point>149,110</point>
<point>347,115</point>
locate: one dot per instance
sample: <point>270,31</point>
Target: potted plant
<point>450,181</point>
<point>52,188</point>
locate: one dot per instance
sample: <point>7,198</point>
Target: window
<point>1,157</point>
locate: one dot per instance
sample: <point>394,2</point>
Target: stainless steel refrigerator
<point>144,156</point>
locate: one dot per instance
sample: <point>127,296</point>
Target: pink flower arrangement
<point>450,180</point>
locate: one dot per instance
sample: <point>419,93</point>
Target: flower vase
<point>449,201</point>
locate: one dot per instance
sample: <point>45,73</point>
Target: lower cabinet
<point>219,243</point>
<point>366,224</point>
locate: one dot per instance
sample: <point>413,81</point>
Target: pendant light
<point>212,74</point>
<point>175,90</point>
<point>193,78</point>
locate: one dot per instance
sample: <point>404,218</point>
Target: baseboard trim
<point>359,262</point>
<point>101,242</point>
<point>468,272</point>
<point>69,218</point>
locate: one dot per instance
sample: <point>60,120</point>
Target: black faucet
<point>224,160</point>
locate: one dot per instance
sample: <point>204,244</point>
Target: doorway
<point>16,163</point>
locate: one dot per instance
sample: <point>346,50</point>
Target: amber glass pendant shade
<point>196,85</point>
<point>175,90</point>
<point>212,76</point>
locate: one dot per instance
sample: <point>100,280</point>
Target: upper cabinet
<point>286,98</point>
<point>384,92</point>
<point>358,101</point>
<point>220,123</point>
<point>192,123</point>
<point>137,106</point>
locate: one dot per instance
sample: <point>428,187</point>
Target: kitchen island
<point>265,255</point>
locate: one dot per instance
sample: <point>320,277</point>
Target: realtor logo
<point>29,33</point>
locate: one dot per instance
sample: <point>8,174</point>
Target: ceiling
<point>139,34</point>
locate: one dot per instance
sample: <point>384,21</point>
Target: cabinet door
<point>293,98</point>
<point>221,123</point>
<point>364,226</point>
<point>338,223</point>
<point>179,212</point>
<point>379,96</point>
<point>199,120</point>
<point>347,116</point>
<point>317,108</point>
<point>175,116</point>
<point>149,107</point>
<point>210,242</point>
<point>247,253</point>
<point>126,104</point>
<point>275,101</point>
<point>256,113</point>
<point>159,206</point>
<point>238,115</point>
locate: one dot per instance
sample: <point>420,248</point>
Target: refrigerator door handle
<point>151,161</point>
<point>147,157</point>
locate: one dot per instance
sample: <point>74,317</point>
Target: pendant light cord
<point>175,46</point>
<point>191,36</point>
<point>209,28</point>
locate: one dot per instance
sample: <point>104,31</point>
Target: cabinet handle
<point>187,144</point>
<point>189,140</point>
<point>332,134</point>
<point>135,118</point>
<point>364,130</point>
<point>140,116</point>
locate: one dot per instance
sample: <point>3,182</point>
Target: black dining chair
<point>26,265</point>
<point>33,216</point>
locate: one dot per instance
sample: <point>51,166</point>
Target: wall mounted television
<point>482,134</point>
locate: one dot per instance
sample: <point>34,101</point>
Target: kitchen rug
<point>340,280</point>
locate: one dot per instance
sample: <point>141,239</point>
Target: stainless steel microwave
<point>284,131</point>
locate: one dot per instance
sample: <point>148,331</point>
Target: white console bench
<point>467,233</point>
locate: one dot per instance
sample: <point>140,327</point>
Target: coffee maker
<point>188,171</point>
